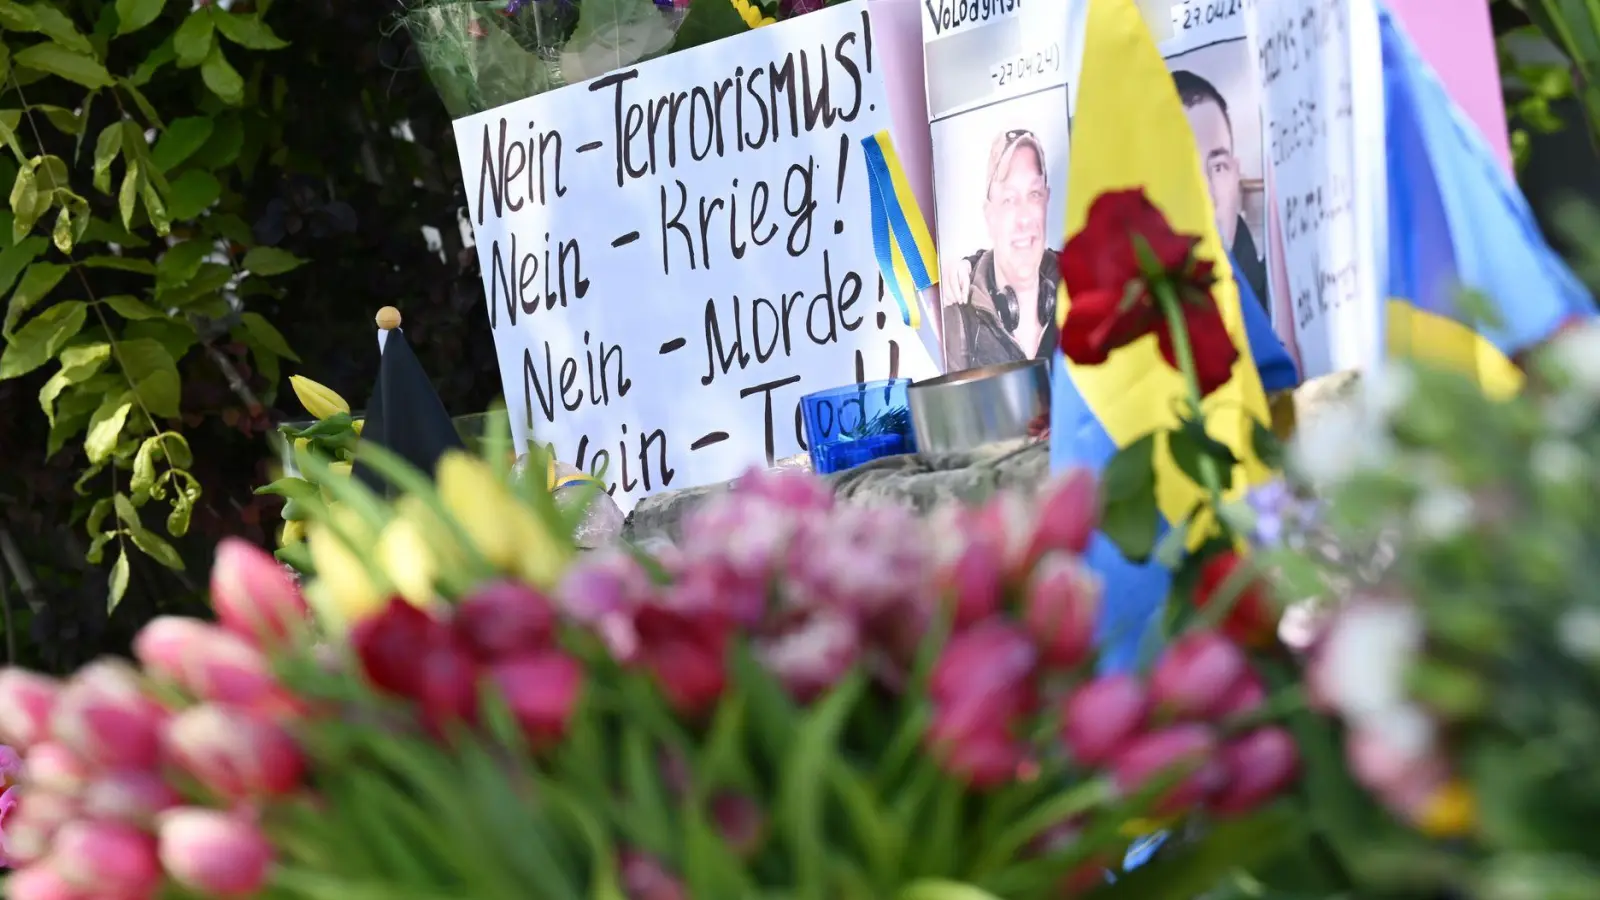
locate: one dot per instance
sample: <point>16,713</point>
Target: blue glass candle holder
<point>858,423</point>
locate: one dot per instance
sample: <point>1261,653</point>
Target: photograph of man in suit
<point>1003,305</point>
<point>1213,134</point>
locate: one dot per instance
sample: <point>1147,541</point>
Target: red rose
<point>1253,620</point>
<point>1109,268</point>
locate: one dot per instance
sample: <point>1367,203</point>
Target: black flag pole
<point>405,415</point>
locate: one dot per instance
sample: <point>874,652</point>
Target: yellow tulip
<point>751,13</point>
<point>339,469</point>
<point>293,533</point>
<point>302,444</point>
<point>404,555</point>
<point>505,531</point>
<point>346,590</point>
<point>357,425</point>
<point>318,400</point>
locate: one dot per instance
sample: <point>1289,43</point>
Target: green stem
<point>1172,308</point>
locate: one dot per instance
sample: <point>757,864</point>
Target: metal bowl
<point>964,410</point>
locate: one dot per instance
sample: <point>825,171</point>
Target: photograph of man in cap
<point>1003,305</point>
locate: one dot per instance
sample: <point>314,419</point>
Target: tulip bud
<point>345,590</point>
<point>1197,674</point>
<point>392,643</point>
<point>1248,696</point>
<point>1063,605</point>
<point>1189,749</point>
<point>1007,520</point>
<point>449,689</point>
<point>686,654</point>
<point>644,878</point>
<point>215,853</point>
<point>1102,716</point>
<point>254,595</point>
<point>542,691</point>
<point>970,571</point>
<point>982,757</point>
<point>40,882</point>
<point>207,661</point>
<point>235,753</point>
<point>27,700</point>
<point>106,719</point>
<point>31,826</point>
<point>502,619</point>
<point>741,823</point>
<point>55,767</point>
<point>10,766</point>
<point>992,658</point>
<point>1258,765</point>
<point>132,796</point>
<point>1066,516</point>
<point>794,491</point>
<point>812,653</point>
<point>406,559</point>
<point>1252,620</point>
<point>320,401</point>
<point>108,859</point>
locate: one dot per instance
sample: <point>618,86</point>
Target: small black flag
<point>405,415</point>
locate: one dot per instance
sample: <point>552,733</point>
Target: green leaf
<point>934,889</point>
<point>153,373</point>
<point>271,261</point>
<point>178,519</point>
<point>28,202</point>
<point>1191,446</point>
<point>133,15</point>
<point>247,31</point>
<point>56,25</point>
<point>707,22</point>
<point>105,426</point>
<point>194,39</point>
<point>120,263</point>
<point>16,17</point>
<point>63,120</point>
<point>107,148</point>
<point>266,336</point>
<point>180,141</point>
<point>222,78</point>
<point>117,583</point>
<point>62,234</point>
<point>128,195</point>
<point>192,194</point>
<point>35,343</point>
<point>131,308</point>
<point>800,800</point>
<point>154,208</point>
<point>78,364</point>
<point>1129,515</point>
<point>1266,445</point>
<point>157,549</point>
<point>1193,870</point>
<point>54,59</point>
<point>182,262</point>
<point>17,257</point>
<point>227,140</point>
<point>37,283</point>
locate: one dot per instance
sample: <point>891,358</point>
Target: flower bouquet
<point>485,53</point>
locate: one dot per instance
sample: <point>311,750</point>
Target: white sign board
<point>1321,69</point>
<point>674,253</point>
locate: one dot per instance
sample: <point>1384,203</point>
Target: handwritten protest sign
<point>1319,64</point>
<point>674,253</point>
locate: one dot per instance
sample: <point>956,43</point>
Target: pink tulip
<point>1259,765</point>
<point>686,653</point>
<point>1067,516</point>
<point>1102,716</point>
<point>10,766</point>
<point>54,767</point>
<point>106,718</point>
<point>214,853</point>
<point>40,882</point>
<point>30,827</point>
<point>131,796</point>
<point>983,754</point>
<point>542,691</point>
<point>971,570</point>
<point>254,595</point>
<point>448,691</point>
<point>813,654</point>
<point>1063,605</point>
<point>1247,697</point>
<point>1384,767</point>
<point>1172,751</point>
<point>793,491</point>
<point>644,878</point>
<point>1007,520</point>
<point>1196,676</point>
<point>106,858</point>
<point>27,700</point>
<point>235,753</point>
<point>992,658</point>
<point>504,619</point>
<point>210,662</point>
<point>741,823</point>
<point>8,806</point>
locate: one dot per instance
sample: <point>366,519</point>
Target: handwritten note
<point>1320,71</point>
<point>673,254</point>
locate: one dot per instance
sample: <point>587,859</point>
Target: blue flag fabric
<point>1134,592</point>
<point>1457,220</point>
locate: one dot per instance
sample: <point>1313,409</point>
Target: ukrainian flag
<point>1130,131</point>
<point>1457,221</point>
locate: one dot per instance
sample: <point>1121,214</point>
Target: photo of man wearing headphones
<point>1002,308</point>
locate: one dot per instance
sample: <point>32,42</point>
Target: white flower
<point>1577,352</point>
<point>1362,665</point>
<point>1390,391</point>
<point>1578,630</point>
<point>1558,462</point>
<point>1337,443</point>
<point>1405,728</point>
<point>1442,513</point>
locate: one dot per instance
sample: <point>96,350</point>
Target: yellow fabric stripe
<point>1415,333</point>
<point>1130,131</point>
<point>907,200</point>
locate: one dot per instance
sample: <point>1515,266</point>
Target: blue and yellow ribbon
<point>900,236</point>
